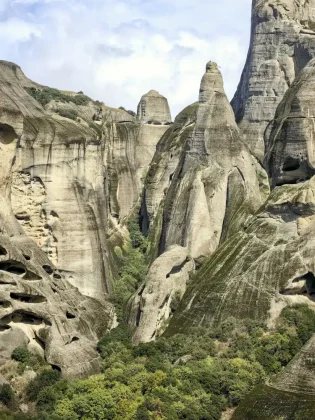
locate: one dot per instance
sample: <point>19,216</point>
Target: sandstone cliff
<point>211,187</point>
<point>282,42</point>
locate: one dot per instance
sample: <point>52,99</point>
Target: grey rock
<point>289,152</point>
<point>153,108</point>
<point>282,42</point>
<point>212,190</point>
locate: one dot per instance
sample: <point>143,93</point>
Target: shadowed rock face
<point>282,42</point>
<point>290,149</point>
<point>210,187</point>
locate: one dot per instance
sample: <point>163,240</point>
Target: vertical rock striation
<point>211,191</point>
<point>282,42</point>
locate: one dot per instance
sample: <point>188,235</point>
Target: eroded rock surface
<point>290,154</point>
<point>282,43</point>
<point>202,186</point>
<point>77,175</point>
<point>261,269</point>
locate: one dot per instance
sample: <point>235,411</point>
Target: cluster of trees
<point>194,376</point>
<point>133,267</point>
<point>45,95</point>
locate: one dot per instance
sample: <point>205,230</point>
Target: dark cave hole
<point>26,298</point>
<point>13,267</point>
<point>70,315</point>
<point>4,328</point>
<point>74,339</point>
<point>23,317</point>
<point>3,251</point>
<point>177,269</point>
<point>27,257</point>
<point>57,276</point>
<point>48,269</point>
<point>7,134</point>
<point>291,164</point>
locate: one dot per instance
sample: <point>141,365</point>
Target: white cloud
<point>116,51</point>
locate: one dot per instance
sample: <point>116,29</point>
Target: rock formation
<point>38,307</point>
<point>153,108</point>
<point>282,42</point>
<point>75,181</point>
<point>211,192</point>
<point>268,264</point>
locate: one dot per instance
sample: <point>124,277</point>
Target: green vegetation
<point>193,377</point>
<point>68,113</point>
<point>26,358</point>
<point>45,95</point>
<point>7,395</point>
<point>133,268</point>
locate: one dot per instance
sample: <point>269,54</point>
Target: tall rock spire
<point>282,43</point>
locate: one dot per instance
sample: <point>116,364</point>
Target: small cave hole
<point>7,134</point>
<point>48,269</point>
<point>13,267</point>
<point>27,257</point>
<point>57,276</point>
<point>3,251</point>
<point>69,315</point>
<point>291,164</point>
<point>4,328</point>
<point>26,298</point>
<point>171,177</point>
<point>74,339</point>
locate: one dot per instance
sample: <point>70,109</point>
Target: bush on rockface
<point>7,395</point>
<point>45,95</point>
<point>133,268</point>
<point>71,114</point>
<point>21,354</point>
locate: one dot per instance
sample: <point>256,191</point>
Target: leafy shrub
<point>21,354</point>
<point>133,268</point>
<point>7,395</point>
<point>45,95</point>
<point>68,113</point>
<point>44,379</point>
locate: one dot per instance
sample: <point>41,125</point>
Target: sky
<point>117,50</point>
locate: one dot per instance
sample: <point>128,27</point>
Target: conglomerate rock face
<point>282,43</point>
<point>212,189</point>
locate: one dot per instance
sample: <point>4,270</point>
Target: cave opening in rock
<point>69,315</point>
<point>27,298</point>
<point>13,267</point>
<point>7,134</point>
<point>291,164</point>
<point>48,269</point>
<point>3,251</point>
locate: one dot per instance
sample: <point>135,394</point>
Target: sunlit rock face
<point>38,306</point>
<point>201,187</point>
<point>153,108</point>
<point>282,43</point>
<point>75,182</point>
<point>269,263</point>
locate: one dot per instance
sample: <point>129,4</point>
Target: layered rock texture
<point>70,180</point>
<point>210,182</point>
<point>38,306</point>
<point>282,42</point>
